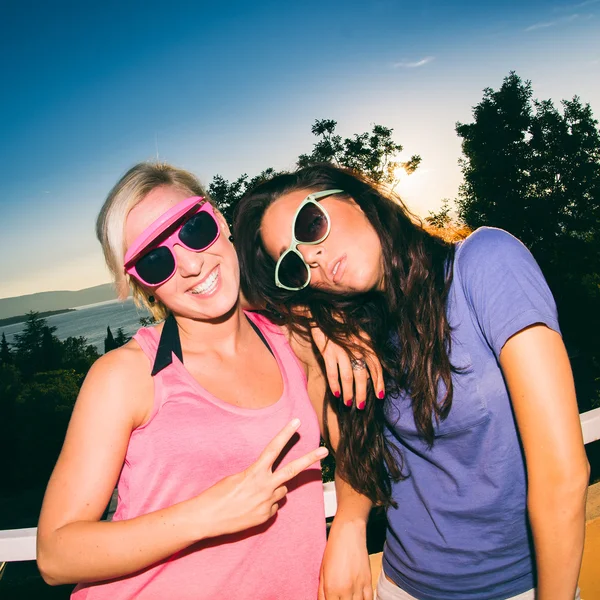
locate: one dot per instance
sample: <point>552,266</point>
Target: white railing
<point>19,544</point>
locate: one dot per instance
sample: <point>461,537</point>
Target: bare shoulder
<point>121,379</point>
<point>122,365</point>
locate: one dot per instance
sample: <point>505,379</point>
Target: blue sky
<point>89,89</point>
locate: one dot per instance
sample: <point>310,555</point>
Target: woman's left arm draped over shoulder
<point>517,315</point>
<point>345,570</point>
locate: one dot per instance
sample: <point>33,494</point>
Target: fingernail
<point>295,423</point>
<point>361,406</point>
<point>348,402</point>
<point>322,452</point>
<point>336,393</point>
<point>381,395</point>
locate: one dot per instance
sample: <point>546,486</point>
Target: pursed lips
<point>336,270</point>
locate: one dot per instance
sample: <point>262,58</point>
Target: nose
<point>189,263</point>
<point>314,256</point>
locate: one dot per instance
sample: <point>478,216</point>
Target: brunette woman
<point>476,450</point>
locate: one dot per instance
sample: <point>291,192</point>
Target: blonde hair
<point>129,191</point>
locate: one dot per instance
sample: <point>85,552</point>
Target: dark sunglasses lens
<point>156,266</point>
<point>311,223</point>
<point>199,232</point>
<point>293,273</point>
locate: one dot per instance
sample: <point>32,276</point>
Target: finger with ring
<point>358,364</point>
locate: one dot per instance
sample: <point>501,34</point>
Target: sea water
<point>90,322</point>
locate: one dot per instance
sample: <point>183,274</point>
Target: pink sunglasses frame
<point>144,242</point>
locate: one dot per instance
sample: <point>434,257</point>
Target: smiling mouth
<point>209,284</point>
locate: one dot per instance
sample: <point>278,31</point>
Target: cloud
<point>546,24</point>
<point>581,4</point>
<point>413,65</point>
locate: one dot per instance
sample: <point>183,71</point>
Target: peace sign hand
<point>252,497</point>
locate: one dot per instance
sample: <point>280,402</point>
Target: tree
<point>121,339</point>
<point>78,355</point>
<point>6,357</point>
<point>442,218</point>
<point>109,341</point>
<point>42,412</point>
<point>147,321</point>
<point>534,170</point>
<point>226,195</point>
<point>371,153</point>
<point>36,347</point>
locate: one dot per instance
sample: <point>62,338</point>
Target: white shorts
<point>386,590</point>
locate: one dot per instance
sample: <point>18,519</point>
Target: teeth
<point>335,268</point>
<point>208,285</point>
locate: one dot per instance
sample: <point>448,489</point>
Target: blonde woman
<point>204,421</point>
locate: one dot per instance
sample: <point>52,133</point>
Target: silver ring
<point>358,364</point>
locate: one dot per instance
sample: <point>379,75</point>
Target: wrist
<point>202,518</point>
<point>356,522</point>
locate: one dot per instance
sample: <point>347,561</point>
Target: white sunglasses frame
<point>293,247</point>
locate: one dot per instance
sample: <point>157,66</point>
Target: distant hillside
<point>45,301</point>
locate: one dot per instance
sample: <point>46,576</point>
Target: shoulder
<point>489,255</point>
<point>120,380</point>
<point>486,245</point>
<point>502,284</point>
<point>121,363</point>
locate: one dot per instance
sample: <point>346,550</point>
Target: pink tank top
<point>191,441</point>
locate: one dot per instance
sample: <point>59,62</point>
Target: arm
<point>345,571</point>
<point>75,546</point>
<point>538,374</point>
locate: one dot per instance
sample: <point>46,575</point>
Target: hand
<point>338,365</point>
<point>252,497</point>
<point>346,570</point>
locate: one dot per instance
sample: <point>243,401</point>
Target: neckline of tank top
<point>276,406</point>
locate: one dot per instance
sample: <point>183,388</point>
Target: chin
<point>218,307</point>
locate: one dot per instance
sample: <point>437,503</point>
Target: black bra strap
<point>170,343</point>
<point>260,335</point>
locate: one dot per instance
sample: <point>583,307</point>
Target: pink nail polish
<point>348,402</point>
<point>381,394</point>
<point>336,394</point>
<point>361,406</point>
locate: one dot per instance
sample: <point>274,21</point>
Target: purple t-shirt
<point>460,530</point>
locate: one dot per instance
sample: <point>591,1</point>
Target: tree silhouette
<point>441,218</point>
<point>226,195</point>
<point>37,394</point>
<point>78,355</point>
<point>371,153</point>
<point>6,357</point>
<point>147,321</point>
<point>121,339</point>
<point>109,341</point>
<point>36,347</point>
<point>535,171</point>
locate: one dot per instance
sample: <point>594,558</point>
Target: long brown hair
<point>406,323</point>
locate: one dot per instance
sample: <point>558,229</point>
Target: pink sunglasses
<point>191,223</point>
